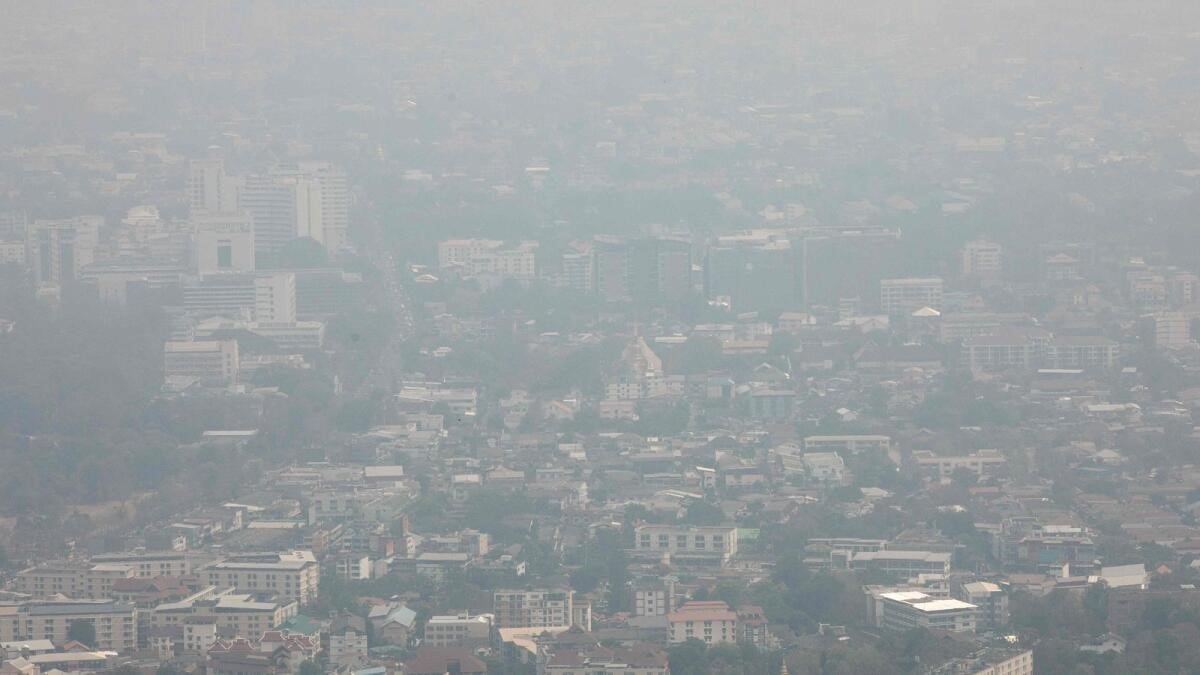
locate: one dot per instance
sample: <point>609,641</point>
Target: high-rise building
<point>756,270</point>
<point>57,250</point>
<point>210,189</point>
<point>329,197</point>
<point>577,271</point>
<point>651,271</point>
<point>272,202</point>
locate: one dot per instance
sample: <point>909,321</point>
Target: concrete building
<point>210,189</point>
<point>230,611</point>
<point>543,608</point>
<point>901,564</point>
<point>58,250</point>
<point>223,243</point>
<point>461,630</point>
<point>1082,351</point>
<point>906,610</point>
<point>981,463</point>
<point>716,543</point>
<point>275,298</point>
<point>905,295</point>
<point>982,258</point>
<point>115,622</point>
<point>709,621</point>
<point>991,600</point>
<point>755,271</point>
<point>1169,330</point>
<point>653,597</point>
<point>208,362</point>
<point>848,444</point>
<point>348,649</point>
<point>991,661</point>
<point>1006,348</point>
<point>293,575</point>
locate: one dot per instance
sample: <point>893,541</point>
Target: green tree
<point>307,667</point>
<point>83,632</point>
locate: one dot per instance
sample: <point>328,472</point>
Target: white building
<point>543,608</point>
<point>905,295</point>
<point>210,189</point>
<point>275,298</point>
<point>461,630</point>
<point>906,610</point>
<point>826,467</point>
<point>850,444</point>
<point>222,243</point>
<point>293,575</point>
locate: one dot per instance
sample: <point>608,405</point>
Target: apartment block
<point>293,575</point>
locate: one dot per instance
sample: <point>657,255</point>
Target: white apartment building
<point>293,575</point>
<point>901,296</point>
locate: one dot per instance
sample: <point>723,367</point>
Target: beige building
<point>211,362</point>
<point>709,621</point>
<point>293,575</point>
<point>115,623</point>
<point>229,611</point>
<point>713,542</point>
<point>84,581</point>
<point>462,630</point>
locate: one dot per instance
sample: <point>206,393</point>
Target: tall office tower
<point>328,202</point>
<point>648,271</point>
<point>611,267</point>
<point>982,258</point>
<point>57,250</point>
<point>210,189</point>
<point>899,296</point>
<point>272,202</point>
<point>672,270</point>
<point>223,243</point>
<point>755,270</point>
<point>577,271</point>
<point>836,263</point>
